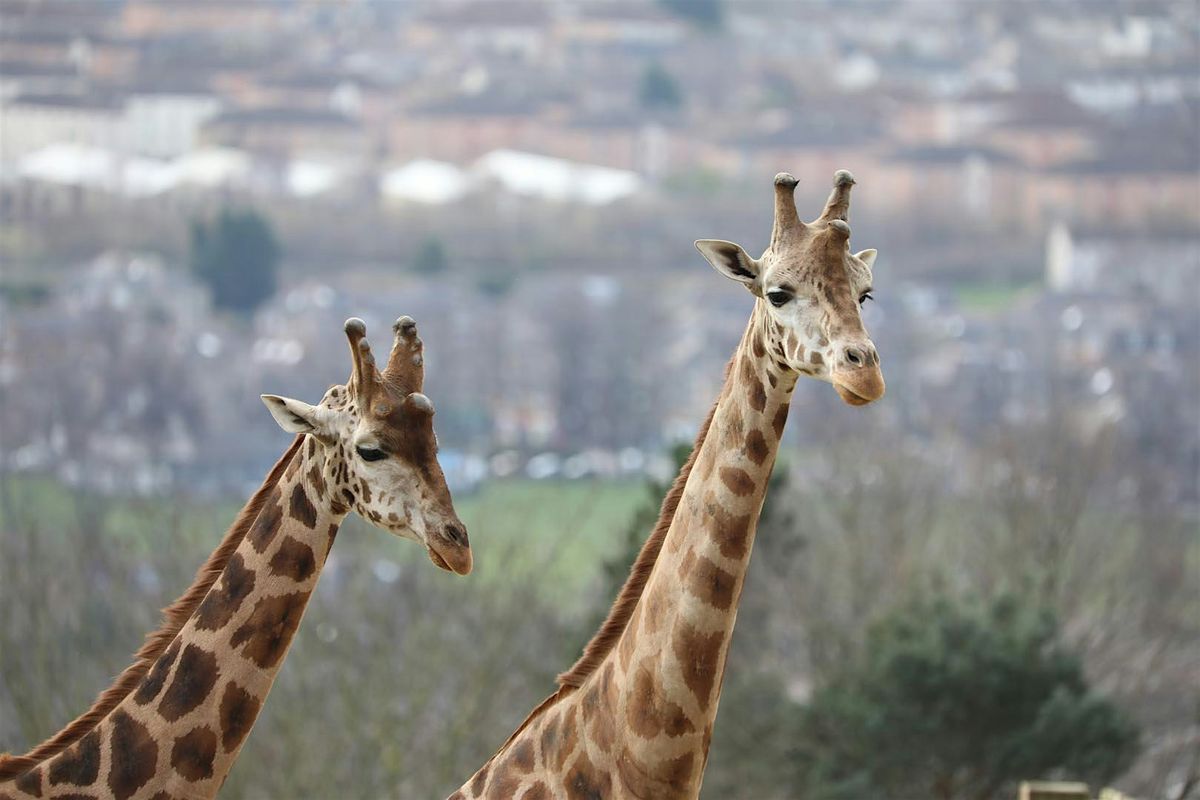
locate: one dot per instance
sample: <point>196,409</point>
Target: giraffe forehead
<point>806,267</point>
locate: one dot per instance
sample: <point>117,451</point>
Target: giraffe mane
<point>606,638</point>
<point>174,618</point>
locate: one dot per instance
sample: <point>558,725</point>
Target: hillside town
<point>593,102</point>
<point>1030,178</point>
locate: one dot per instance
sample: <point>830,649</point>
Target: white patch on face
<point>392,484</point>
<point>802,322</point>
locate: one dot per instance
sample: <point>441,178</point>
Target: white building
<point>167,124</point>
<point>156,124</point>
<point>31,122</point>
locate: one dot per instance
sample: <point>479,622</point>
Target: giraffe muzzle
<point>450,549</point>
<point>859,386</point>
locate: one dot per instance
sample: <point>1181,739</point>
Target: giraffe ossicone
<point>634,716</point>
<point>174,722</point>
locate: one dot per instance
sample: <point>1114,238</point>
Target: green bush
<point>236,256</point>
<point>952,699</point>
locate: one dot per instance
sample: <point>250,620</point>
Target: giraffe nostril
<point>456,534</point>
<point>854,356</point>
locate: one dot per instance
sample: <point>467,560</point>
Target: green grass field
<point>991,297</point>
<point>555,532</point>
<point>566,527</point>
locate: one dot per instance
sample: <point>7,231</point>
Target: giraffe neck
<point>180,731</point>
<point>640,722</point>
<point>669,664</point>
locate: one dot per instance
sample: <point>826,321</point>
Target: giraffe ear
<point>867,257</point>
<point>295,416</point>
<point>730,260</point>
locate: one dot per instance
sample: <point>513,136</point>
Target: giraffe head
<point>810,288</point>
<point>375,437</point>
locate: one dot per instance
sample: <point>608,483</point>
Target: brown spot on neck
<point>267,523</point>
<point>730,531</point>
<point>194,680</point>
<point>31,782</point>
<point>780,419</point>
<point>538,791</point>
<point>294,559</point>
<point>585,781</point>
<point>756,448</point>
<point>270,628</point>
<point>80,765</point>
<point>737,480</point>
<point>699,655</point>
<point>647,713</point>
<point>480,781</point>
<point>757,395</point>
<point>710,583</point>
<point>568,740</point>
<point>157,676</point>
<point>301,508</point>
<point>193,754</point>
<point>523,756</point>
<point>227,597</point>
<point>316,480</point>
<point>238,711</point>
<point>134,756</point>
<point>672,780</point>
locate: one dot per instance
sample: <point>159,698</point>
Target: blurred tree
<point>659,90</point>
<point>430,258</point>
<point>705,13</point>
<point>497,281</point>
<point>952,700</point>
<point>236,256</point>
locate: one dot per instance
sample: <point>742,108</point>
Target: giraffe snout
<point>856,375</point>
<point>450,548</point>
<point>856,356</point>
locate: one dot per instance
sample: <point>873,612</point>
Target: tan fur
<point>174,617</point>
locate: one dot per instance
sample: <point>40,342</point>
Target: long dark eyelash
<point>865,297</point>
<point>778,298</point>
<point>370,454</point>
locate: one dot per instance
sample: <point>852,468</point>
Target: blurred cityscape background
<point>193,196</point>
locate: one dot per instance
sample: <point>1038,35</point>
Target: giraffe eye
<point>778,298</point>
<point>370,453</point>
<point>865,297</point>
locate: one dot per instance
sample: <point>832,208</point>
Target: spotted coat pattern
<point>179,733</point>
<point>640,725</point>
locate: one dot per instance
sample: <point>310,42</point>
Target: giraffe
<point>634,716</point>
<point>173,723</point>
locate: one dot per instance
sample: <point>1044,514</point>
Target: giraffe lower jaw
<point>438,560</point>
<point>859,386</point>
<point>850,397</point>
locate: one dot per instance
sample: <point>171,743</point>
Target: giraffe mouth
<point>450,558</point>
<point>849,396</point>
<point>438,560</point>
<point>859,387</point>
